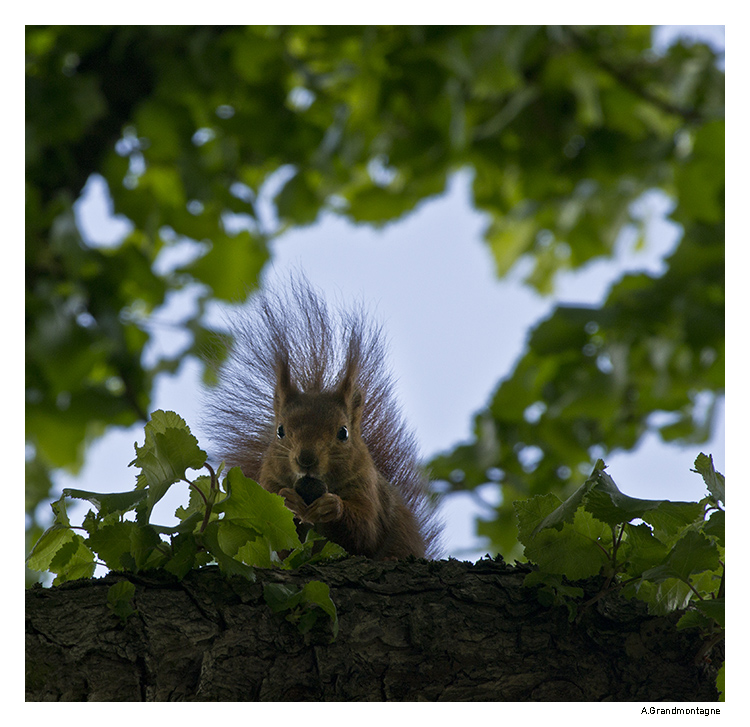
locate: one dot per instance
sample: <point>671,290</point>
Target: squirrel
<point>305,407</point>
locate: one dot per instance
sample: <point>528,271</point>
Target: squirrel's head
<point>317,433</point>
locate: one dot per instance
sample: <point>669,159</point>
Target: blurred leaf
<point>700,180</point>
<point>230,264</point>
<point>297,201</point>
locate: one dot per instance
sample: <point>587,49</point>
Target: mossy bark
<point>413,631</point>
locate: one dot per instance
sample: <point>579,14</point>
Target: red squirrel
<point>306,408</point>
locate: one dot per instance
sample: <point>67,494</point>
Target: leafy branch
<point>232,522</point>
<point>668,554</point>
<point>627,77</point>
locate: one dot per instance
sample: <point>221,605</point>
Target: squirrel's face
<point>317,437</point>
<point>317,445</point>
<point>316,432</point>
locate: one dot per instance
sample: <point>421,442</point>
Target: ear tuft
<point>284,390</point>
<point>351,394</point>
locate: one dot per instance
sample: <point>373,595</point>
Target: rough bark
<point>415,631</point>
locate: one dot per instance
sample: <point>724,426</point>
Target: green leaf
<point>671,518</point>
<point>704,465</point>
<point>280,597</point>
<point>330,551</point>
<point>641,549</point>
<point>143,547</point>
<point>257,552</point>
<point>185,550</point>
<point>48,545</point>
<point>533,513</point>
<point>552,591</point>
<point>108,503</point>
<point>250,506</point>
<point>227,564</point>
<point>572,551</point>
<point>552,580</point>
<point>169,450</point>
<point>59,508</point>
<point>606,503</point>
<point>232,537</point>
<point>602,499</point>
<point>693,619</point>
<point>120,598</point>
<point>566,512</point>
<point>319,594</point>
<point>188,525</point>
<point>200,494</point>
<point>693,553</point>
<point>72,561</point>
<point>714,526</point>
<point>665,596</point>
<point>315,548</point>
<point>111,542</point>
<point>713,608</point>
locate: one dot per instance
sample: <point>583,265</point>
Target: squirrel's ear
<point>350,392</point>
<point>356,402</point>
<point>284,387</point>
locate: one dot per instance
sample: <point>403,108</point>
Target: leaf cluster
<point>231,521</point>
<point>304,606</point>
<point>591,379</point>
<point>668,554</point>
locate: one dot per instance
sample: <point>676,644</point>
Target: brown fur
<point>298,365</point>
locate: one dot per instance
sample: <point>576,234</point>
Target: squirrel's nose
<point>307,459</point>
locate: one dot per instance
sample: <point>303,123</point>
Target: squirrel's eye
<point>280,433</point>
<point>343,434</point>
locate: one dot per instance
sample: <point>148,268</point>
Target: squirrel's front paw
<point>326,509</point>
<point>294,502</point>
